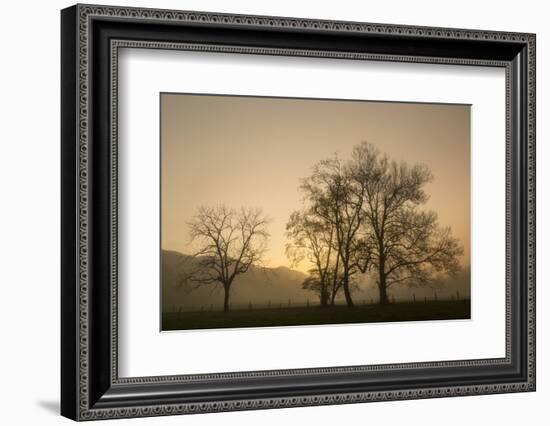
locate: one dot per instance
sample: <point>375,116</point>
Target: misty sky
<point>252,152</point>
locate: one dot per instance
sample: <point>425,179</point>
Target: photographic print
<point>292,211</point>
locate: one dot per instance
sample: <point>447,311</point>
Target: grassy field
<point>419,311</point>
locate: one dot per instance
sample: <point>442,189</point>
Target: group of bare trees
<point>365,215</point>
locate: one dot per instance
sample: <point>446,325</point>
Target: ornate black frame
<point>91,37</point>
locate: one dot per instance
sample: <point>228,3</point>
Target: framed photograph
<point>345,226</point>
<point>263,212</point>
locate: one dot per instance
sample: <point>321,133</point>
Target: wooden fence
<point>252,306</point>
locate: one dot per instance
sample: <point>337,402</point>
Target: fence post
<point>414,298</point>
<point>435,296</point>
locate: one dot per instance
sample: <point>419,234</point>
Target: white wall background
<point>29,213</point>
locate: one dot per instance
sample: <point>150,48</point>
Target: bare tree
<point>229,242</point>
<point>312,239</point>
<point>405,245</point>
<point>314,283</point>
<point>335,198</point>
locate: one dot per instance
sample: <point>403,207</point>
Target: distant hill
<point>257,286</point>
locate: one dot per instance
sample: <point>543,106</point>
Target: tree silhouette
<point>405,245</point>
<point>314,283</point>
<point>313,239</point>
<point>229,242</point>
<point>336,199</point>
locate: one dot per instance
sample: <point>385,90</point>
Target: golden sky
<point>252,152</point>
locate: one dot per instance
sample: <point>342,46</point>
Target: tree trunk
<point>324,294</point>
<point>226,299</point>
<point>383,293</point>
<point>382,284</point>
<point>382,279</point>
<point>345,277</point>
<point>347,292</point>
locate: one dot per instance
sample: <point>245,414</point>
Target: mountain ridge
<point>259,285</point>
<point>281,286</point>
